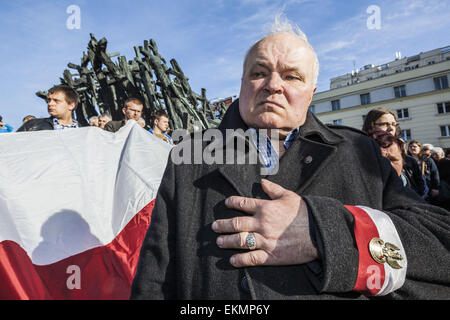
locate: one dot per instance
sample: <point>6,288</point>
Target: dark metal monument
<point>103,86</point>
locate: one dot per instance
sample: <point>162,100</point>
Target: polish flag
<point>74,209</point>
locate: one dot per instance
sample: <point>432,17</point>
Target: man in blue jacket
<point>4,127</point>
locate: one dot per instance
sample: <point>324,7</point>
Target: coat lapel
<point>313,148</point>
<point>244,177</point>
<point>301,163</point>
<point>308,155</point>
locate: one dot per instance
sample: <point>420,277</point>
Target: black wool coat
<point>37,125</point>
<point>329,167</point>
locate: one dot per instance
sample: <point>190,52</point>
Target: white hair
<point>141,121</point>
<point>283,25</point>
<point>440,152</point>
<point>106,116</point>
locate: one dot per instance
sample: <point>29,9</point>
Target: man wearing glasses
<point>132,110</point>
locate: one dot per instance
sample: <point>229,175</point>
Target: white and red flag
<point>74,209</point>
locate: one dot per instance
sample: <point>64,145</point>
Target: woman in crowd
<point>392,148</point>
<point>442,163</point>
<point>103,119</point>
<point>381,119</point>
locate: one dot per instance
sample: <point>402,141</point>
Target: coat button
<point>244,284</point>
<point>308,159</point>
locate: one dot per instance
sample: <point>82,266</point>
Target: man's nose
<point>274,84</point>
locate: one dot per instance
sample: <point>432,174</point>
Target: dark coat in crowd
<point>431,173</point>
<point>114,126</point>
<point>444,169</point>
<point>329,167</point>
<point>414,176</point>
<point>37,124</point>
<point>443,199</point>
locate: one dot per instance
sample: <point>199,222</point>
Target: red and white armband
<point>382,260</point>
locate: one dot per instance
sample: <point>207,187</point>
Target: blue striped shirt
<point>266,151</point>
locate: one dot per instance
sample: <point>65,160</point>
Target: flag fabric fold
<point>74,209</point>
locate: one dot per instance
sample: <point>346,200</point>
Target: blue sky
<point>208,38</point>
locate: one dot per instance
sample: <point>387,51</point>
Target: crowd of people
<point>334,221</point>
<point>62,101</point>
<point>422,167</point>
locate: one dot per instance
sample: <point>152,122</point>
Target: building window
<point>443,107</point>
<point>400,91</point>
<point>335,105</point>
<point>402,114</point>
<point>406,134</point>
<point>312,108</point>
<point>337,122</point>
<point>441,83</point>
<point>365,98</point>
<point>445,131</point>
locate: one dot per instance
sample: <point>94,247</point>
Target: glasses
<point>385,124</point>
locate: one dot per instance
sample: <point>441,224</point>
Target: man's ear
<point>315,88</point>
<point>124,110</point>
<point>73,106</point>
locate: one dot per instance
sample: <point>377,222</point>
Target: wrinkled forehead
<point>134,106</point>
<point>281,49</point>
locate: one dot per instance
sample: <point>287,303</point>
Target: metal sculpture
<point>103,86</point>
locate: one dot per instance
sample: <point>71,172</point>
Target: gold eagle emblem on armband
<point>383,252</point>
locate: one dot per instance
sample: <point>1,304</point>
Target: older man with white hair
<point>332,221</point>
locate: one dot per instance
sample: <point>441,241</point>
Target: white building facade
<point>416,88</point>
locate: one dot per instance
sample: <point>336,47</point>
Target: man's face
<point>394,154</point>
<point>414,149</point>
<point>58,107</point>
<point>426,151</point>
<point>277,84</point>
<point>435,156</point>
<point>102,121</point>
<point>162,124</point>
<point>132,111</point>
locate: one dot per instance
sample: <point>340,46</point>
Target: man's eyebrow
<point>289,68</point>
<point>286,68</point>
<point>260,63</point>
